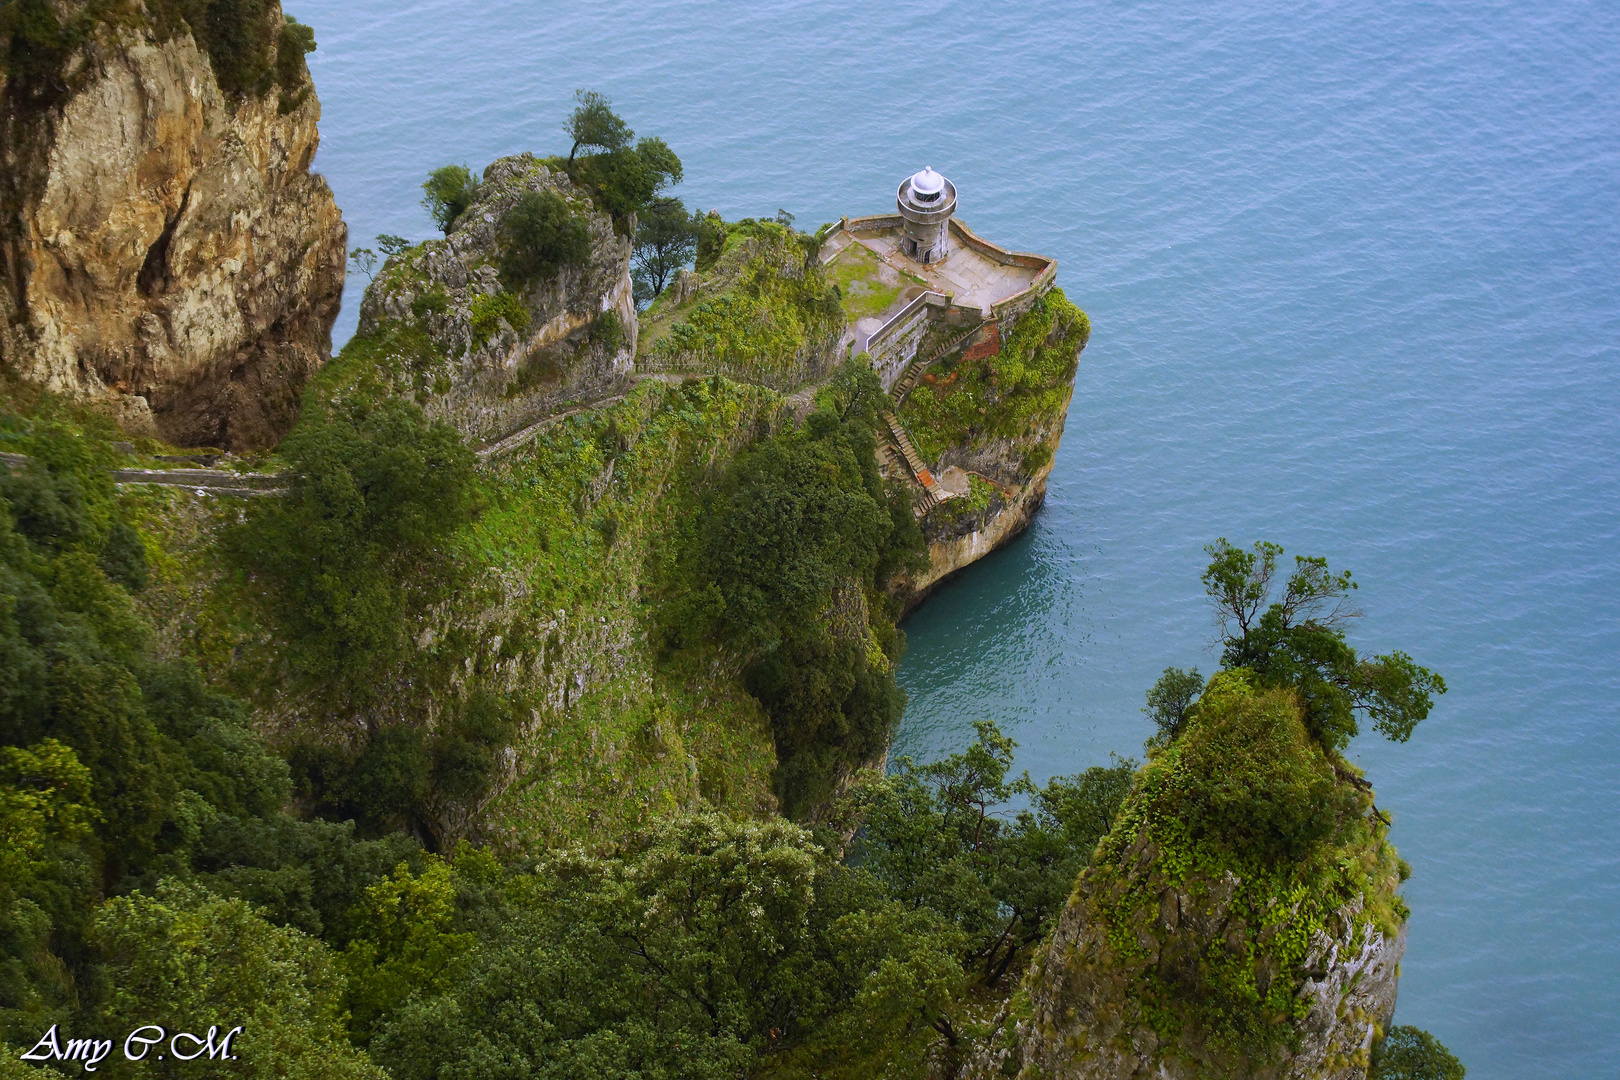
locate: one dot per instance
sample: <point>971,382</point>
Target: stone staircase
<point>932,493</point>
<point>914,370</point>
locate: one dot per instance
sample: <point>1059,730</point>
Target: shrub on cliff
<point>348,560</point>
<point>783,567</point>
<point>1244,816</point>
<point>540,235</point>
<point>446,194</point>
<point>1410,1053</point>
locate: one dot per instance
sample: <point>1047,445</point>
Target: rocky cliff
<point>490,356</point>
<point>1240,920</point>
<point>165,250</point>
<point>988,424</point>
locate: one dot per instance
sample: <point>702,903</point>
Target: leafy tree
<point>391,245</point>
<point>666,238</point>
<point>941,836</point>
<point>1298,641</point>
<point>1168,701</point>
<point>594,123</point>
<point>704,945</point>
<point>404,943</point>
<point>540,236</point>
<point>626,182</point>
<point>447,192</point>
<point>187,960</point>
<point>1409,1053</point>
<point>308,875</point>
<point>358,549</point>
<point>711,239</point>
<point>624,179</point>
<point>364,260</point>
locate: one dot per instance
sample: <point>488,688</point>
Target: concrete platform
<point>973,278</point>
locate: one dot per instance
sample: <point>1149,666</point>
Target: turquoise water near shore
<point>1354,273</point>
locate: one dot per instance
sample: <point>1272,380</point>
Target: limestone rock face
<point>1088,1021</point>
<point>165,249</point>
<point>956,541</point>
<point>500,361</point>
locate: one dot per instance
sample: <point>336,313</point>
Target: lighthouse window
<point>928,197</point>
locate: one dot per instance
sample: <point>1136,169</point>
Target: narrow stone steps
<point>932,494</point>
<point>914,371</point>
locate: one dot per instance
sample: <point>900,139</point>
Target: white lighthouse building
<point>926,201</point>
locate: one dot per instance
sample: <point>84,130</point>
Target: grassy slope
<point>618,734</point>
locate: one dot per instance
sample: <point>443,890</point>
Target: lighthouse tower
<point>926,201</point>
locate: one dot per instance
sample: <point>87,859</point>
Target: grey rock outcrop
<point>485,375</point>
<point>165,251</point>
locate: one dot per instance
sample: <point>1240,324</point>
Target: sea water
<point>1353,270</point>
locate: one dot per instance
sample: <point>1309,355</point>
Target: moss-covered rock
<point>1241,919</point>
<point>763,312</point>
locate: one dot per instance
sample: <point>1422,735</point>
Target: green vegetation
<point>705,947</point>
<point>859,274</point>
<point>120,768</point>
<point>761,316</point>
<point>980,495</point>
<point>711,240</point>
<point>1409,1053</point>
<point>785,567</point>
<point>490,313</point>
<point>1003,396</point>
<point>447,192</point>
<point>594,123</point>
<point>1243,791</point>
<point>187,960</point>
<point>666,240</point>
<point>937,837</point>
<point>1168,702</point>
<point>624,179</point>
<point>1298,642</point>
<point>630,928</point>
<point>540,235</point>
<point>1245,783</point>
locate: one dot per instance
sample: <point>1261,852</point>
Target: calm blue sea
<point>1354,273</point>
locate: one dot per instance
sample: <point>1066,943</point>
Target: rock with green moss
<point>1241,919</point>
<point>483,344</point>
<point>995,409</point>
<point>762,312</point>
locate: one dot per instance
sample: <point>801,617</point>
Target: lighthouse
<point>926,201</point>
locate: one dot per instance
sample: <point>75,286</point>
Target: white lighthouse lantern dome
<point>927,183</point>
